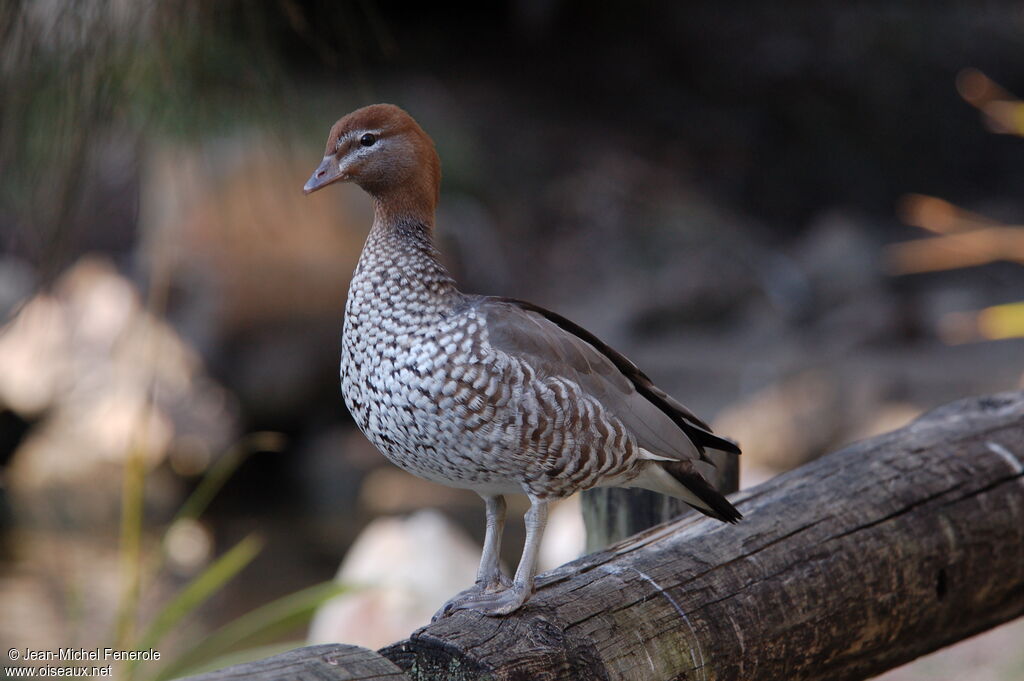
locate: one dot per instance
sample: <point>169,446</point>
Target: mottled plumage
<point>490,394</point>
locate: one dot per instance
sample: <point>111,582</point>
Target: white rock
<point>401,571</point>
<point>565,537</point>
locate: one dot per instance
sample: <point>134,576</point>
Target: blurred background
<point>804,221</point>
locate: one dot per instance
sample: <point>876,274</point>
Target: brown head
<point>384,151</point>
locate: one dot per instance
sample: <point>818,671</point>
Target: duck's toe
<point>496,603</point>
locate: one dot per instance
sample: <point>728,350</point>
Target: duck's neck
<point>399,266</point>
<point>412,199</point>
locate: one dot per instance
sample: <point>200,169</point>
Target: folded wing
<point>555,346</point>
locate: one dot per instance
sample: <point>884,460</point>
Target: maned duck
<point>495,395</point>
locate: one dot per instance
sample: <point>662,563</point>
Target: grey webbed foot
<point>497,603</point>
<point>470,595</point>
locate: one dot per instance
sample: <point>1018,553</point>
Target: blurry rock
<point>752,474</point>
<point>334,464</point>
<point>788,422</point>
<point>886,417</point>
<point>785,285</point>
<point>941,307</point>
<point>34,357</point>
<point>812,413</point>
<point>401,571</point>
<point>565,536</point>
<point>104,378</point>
<point>657,252</point>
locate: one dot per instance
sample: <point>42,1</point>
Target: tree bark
<point>338,662</point>
<point>844,568</point>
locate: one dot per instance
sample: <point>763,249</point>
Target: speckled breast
<point>407,371</point>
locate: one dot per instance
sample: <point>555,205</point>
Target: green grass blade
<point>253,628</point>
<point>200,589</point>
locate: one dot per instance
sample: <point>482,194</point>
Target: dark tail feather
<point>703,438</point>
<point>721,509</point>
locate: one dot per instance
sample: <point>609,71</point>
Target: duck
<point>491,394</point>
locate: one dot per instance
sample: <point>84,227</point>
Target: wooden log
<point>844,568</point>
<point>849,566</point>
<point>332,662</point>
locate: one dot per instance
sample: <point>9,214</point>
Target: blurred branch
<point>962,238</point>
<point>1003,112</point>
<point>938,215</point>
<point>953,251</point>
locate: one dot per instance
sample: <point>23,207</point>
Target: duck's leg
<point>511,599</point>
<point>489,577</point>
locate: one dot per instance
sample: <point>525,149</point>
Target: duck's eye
<point>368,140</point>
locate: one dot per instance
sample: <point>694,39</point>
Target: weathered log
<point>850,565</point>
<point>332,662</point>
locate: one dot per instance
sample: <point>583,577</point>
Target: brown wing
<point>555,346</point>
